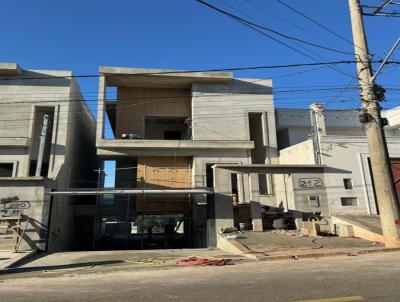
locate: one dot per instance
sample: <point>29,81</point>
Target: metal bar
<point>132,192</point>
<point>385,60</point>
<point>42,145</point>
<point>22,235</point>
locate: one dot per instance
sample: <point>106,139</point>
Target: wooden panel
<point>134,103</point>
<point>163,172</point>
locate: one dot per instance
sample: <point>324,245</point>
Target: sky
<point>81,35</point>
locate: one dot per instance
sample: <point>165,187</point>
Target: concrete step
<point>364,226</point>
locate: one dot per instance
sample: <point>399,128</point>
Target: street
<point>371,277</point>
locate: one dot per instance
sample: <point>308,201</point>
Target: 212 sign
<point>310,183</point>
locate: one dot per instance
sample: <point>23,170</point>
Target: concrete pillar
<point>241,188</point>
<point>100,108</point>
<point>246,188</point>
<point>256,219</point>
<point>221,208</point>
<point>255,208</point>
<point>318,110</point>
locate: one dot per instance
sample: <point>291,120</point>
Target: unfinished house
<point>336,139</point>
<point>47,143</point>
<point>162,132</point>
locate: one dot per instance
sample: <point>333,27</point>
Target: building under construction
<point>174,158</point>
<point>161,131</point>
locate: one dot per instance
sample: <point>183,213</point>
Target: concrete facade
<point>69,156</point>
<point>218,130</point>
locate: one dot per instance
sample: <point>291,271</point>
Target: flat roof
<point>142,77</point>
<point>10,69</point>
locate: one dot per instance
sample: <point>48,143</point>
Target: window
<point>348,183</point>
<point>313,201</point>
<point>263,184</point>
<point>6,169</point>
<point>349,201</point>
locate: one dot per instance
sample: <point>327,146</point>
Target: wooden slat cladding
<point>135,103</point>
<point>164,172</point>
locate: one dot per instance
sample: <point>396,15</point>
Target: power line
<point>317,23</point>
<point>195,71</point>
<point>297,26</point>
<point>257,27</point>
<point>252,24</point>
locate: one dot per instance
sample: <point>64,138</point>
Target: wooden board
<point>163,172</point>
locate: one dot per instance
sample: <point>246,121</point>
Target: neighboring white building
<point>26,96</point>
<point>338,141</point>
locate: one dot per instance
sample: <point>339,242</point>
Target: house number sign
<point>310,183</point>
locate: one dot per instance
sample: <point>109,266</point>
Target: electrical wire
<point>297,26</point>
<point>252,24</point>
<point>318,24</point>
<point>256,28</point>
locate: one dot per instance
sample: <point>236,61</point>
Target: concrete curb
<point>15,261</point>
<point>349,252</point>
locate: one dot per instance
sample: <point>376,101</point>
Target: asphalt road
<point>373,277</point>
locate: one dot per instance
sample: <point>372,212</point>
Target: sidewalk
<point>66,263</point>
<point>10,258</point>
<point>282,244</point>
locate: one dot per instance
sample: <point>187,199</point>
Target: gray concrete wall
<point>72,149</point>
<point>77,170</point>
<point>27,197</point>
<point>18,99</point>
<point>220,111</point>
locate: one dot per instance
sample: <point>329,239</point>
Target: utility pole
<point>42,143</point>
<point>370,116</point>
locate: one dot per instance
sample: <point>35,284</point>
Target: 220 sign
<point>310,182</point>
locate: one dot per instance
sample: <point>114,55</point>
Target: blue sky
<point>182,34</point>
<point>81,35</point>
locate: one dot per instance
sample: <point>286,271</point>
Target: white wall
<point>350,154</point>
<point>293,191</point>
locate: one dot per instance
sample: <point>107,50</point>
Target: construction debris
<point>195,260</point>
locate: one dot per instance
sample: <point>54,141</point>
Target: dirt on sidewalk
<point>286,243</point>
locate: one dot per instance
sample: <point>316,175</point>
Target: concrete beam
<point>110,147</point>
<point>78,192</point>
<point>141,77</point>
<point>15,142</point>
<point>10,69</point>
<point>271,168</point>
